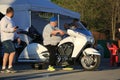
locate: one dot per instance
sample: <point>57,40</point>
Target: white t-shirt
<point>47,38</point>
<point>7,29</point>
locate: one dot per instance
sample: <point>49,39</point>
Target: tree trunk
<point>114,17</point>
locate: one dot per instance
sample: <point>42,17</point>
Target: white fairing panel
<point>71,32</point>
<point>77,42</point>
<point>34,51</point>
<point>91,51</point>
<point>66,40</point>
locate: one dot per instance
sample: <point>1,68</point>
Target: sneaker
<point>51,68</point>
<point>4,71</point>
<point>11,70</point>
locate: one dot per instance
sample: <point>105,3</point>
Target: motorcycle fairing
<point>91,51</point>
<point>34,51</point>
<point>77,42</point>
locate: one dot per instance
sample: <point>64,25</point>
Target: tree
<point>100,15</point>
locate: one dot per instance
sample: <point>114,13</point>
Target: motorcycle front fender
<point>91,51</point>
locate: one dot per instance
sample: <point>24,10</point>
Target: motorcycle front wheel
<point>90,62</point>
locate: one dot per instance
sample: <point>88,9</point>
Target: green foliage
<point>96,13</point>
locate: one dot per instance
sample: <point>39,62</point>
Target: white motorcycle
<point>76,47</point>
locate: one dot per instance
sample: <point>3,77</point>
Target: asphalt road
<point>25,72</point>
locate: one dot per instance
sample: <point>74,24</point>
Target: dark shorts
<point>8,46</point>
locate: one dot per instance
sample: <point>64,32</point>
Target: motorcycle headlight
<point>90,39</point>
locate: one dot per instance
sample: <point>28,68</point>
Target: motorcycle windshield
<point>81,29</point>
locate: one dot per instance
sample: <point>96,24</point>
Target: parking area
<point>25,72</point>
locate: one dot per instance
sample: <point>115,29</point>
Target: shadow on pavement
<point>105,65</point>
<point>26,72</point>
<point>38,75</point>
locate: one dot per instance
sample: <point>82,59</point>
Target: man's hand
<point>19,41</point>
<point>55,32</point>
<point>15,29</point>
<point>61,32</point>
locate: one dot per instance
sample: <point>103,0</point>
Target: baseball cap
<point>53,19</point>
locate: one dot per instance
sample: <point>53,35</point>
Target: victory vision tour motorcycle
<point>77,47</point>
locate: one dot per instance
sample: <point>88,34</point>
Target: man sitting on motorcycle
<point>51,37</point>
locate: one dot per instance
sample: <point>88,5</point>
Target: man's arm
<point>8,28</point>
<point>55,32</point>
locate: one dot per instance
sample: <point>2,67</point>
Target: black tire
<point>96,65</point>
